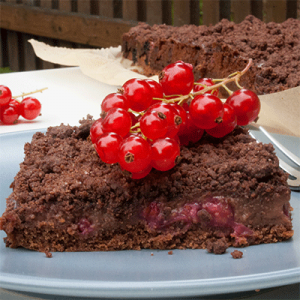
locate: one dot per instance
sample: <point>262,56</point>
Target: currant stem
<point>137,125</point>
<point>227,89</point>
<point>136,112</point>
<point>30,93</point>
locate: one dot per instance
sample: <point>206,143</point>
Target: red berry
<point>189,132</point>
<point>173,118</point>
<point>114,100</point>
<point>181,112</point>
<point>118,121</point>
<point>164,154</point>
<point>227,125</point>
<point>137,93</point>
<point>96,130</point>
<point>154,124</point>
<point>30,108</point>
<point>221,212</point>
<point>5,95</point>
<point>205,82</point>
<point>107,147</point>
<point>141,174</point>
<point>177,79</point>
<point>9,114</point>
<point>15,103</point>
<point>246,105</point>
<point>157,91</point>
<point>206,111</point>
<point>134,154</point>
<point>85,226</point>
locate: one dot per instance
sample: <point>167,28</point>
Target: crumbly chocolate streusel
<point>65,199</point>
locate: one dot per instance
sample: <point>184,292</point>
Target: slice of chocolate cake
<point>219,50</point>
<point>224,192</point>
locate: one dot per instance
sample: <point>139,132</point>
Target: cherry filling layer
<point>213,212</point>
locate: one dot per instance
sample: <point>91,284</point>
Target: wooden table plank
<point>45,64</point>
<point>65,5</point>
<point>154,12</point>
<point>211,12</point>
<point>78,28</point>
<point>84,6</point>
<point>257,8</point>
<point>130,10</point>
<point>167,12</point>
<point>195,12</point>
<point>240,9</point>
<point>181,12</point>
<point>106,8</point>
<point>275,10</point>
<point>12,43</point>
<point>30,60</point>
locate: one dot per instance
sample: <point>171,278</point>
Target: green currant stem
<point>238,84</point>
<point>30,93</point>
<point>136,125</point>
<point>136,112</point>
<point>227,89</point>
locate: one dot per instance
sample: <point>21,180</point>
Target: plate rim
<point>144,289</point>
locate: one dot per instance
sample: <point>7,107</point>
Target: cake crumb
<point>170,252</point>
<point>48,254</point>
<point>217,247</point>
<point>237,254</point>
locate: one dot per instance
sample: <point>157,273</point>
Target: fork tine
<point>283,149</point>
<point>294,184</point>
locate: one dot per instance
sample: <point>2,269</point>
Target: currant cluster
<point>143,124</point>
<point>11,109</point>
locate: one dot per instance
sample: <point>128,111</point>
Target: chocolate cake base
<point>218,51</point>
<point>224,192</point>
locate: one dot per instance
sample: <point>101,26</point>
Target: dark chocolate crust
<point>219,50</point>
<point>65,199</point>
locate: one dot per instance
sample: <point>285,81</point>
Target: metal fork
<point>294,178</point>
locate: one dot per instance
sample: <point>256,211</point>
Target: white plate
<point>131,274</point>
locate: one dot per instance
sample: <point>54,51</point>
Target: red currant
<point>154,124</point>
<point>9,114</point>
<point>181,112</point>
<point>137,93</point>
<point>107,147</point>
<point>227,125</point>
<point>246,105</point>
<point>5,95</point>
<point>141,174</point>
<point>165,152</point>
<point>114,100</point>
<point>177,78</point>
<point>96,130</point>
<point>30,108</point>
<point>206,111</point>
<point>134,154</point>
<point>118,121</point>
<point>173,119</point>
<point>205,82</point>
<point>157,91</point>
<point>189,132</point>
